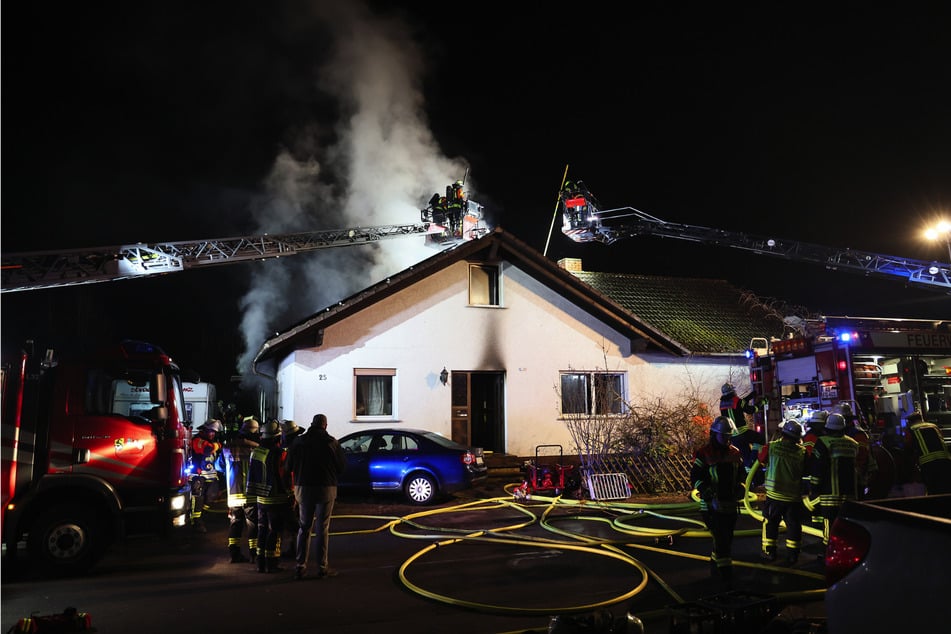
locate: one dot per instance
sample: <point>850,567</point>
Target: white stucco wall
<point>531,337</point>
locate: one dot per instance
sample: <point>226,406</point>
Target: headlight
<point>178,503</point>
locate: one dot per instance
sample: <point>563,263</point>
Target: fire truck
<point>885,369</point>
<point>94,449</point>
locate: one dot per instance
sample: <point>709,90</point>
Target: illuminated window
<point>592,393</point>
<point>373,393</point>
<point>484,285</point>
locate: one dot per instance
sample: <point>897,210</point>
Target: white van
<point>200,402</point>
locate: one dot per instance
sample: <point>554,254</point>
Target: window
<point>374,392</point>
<point>592,393</point>
<point>483,285</point>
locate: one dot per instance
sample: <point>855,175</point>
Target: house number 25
<point>321,377</point>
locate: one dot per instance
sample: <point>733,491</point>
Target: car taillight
<point>848,545</point>
<point>468,458</point>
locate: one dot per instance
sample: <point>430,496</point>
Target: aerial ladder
<point>46,269</point>
<point>583,221</point>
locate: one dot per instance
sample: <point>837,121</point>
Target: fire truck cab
<point>94,449</point>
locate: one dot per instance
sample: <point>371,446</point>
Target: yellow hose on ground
<point>579,542</point>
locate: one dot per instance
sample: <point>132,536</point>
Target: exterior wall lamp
<point>444,376</point>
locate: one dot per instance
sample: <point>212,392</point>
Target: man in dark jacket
<point>315,460</point>
<point>718,475</point>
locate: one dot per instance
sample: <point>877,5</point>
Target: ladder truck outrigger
<point>46,269</point>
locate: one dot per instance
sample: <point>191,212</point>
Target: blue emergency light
<point>847,337</point>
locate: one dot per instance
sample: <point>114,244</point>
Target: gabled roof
<point>677,316</point>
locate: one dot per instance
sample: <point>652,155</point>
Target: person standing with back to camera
<point>315,460</point>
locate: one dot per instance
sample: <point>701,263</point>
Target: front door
<point>478,412</point>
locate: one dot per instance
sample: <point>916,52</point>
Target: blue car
<point>422,464</point>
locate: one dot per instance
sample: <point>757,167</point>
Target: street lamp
<point>942,230</point>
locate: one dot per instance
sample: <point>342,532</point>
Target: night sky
<point>175,121</point>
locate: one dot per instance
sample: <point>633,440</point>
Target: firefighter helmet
<point>272,429</point>
<point>250,426</point>
<point>212,425</point>
<point>792,428</point>
<point>845,409</point>
<point>835,422</point>
<point>289,427</point>
<point>727,389</point>
<point>818,418</point>
<point>722,425</point>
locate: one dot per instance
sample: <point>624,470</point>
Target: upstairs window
<point>593,393</point>
<point>484,285</point>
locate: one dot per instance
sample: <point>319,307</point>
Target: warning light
<point>848,337</point>
<point>842,365</point>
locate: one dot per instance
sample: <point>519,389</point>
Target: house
<point>490,343</point>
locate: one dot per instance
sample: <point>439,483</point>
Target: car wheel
<point>420,489</point>
<point>66,540</point>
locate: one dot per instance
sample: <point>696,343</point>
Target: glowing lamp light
<point>848,337</point>
<point>843,366</point>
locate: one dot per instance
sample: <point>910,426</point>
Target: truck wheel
<point>65,540</point>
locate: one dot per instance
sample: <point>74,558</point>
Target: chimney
<point>572,265</point>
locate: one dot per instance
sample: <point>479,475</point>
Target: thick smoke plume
<point>379,167</point>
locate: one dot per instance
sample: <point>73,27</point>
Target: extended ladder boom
<point>585,223</point>
<point>45,269</point>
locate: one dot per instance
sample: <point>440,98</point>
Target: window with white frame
<point>484,285</point>
<point>593,392</point>
<point>374,389</point>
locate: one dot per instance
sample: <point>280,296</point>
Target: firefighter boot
<point>273,564</point>
<point>792,556</point>
<point>768,555</point>
<point>236,556</point>
<point>726,576</point>
<point>262,563</point>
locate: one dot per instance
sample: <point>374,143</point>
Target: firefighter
<point>785,462</point>
<point>745,438</point>
<point>718,475</point>
<point>456,205</point>
<point>865,465</point>
<point>925,441</point>
<point>242,509</point>
<point>832,476</point>
<point>206,456</point>
<point>267,481</point>
<point>290,431</point>
<point>815,427</point>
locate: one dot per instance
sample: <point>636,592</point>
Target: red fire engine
<point>84,464</point>
<point>884,368</point>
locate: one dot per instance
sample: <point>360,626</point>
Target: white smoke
<point>380,169</point>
